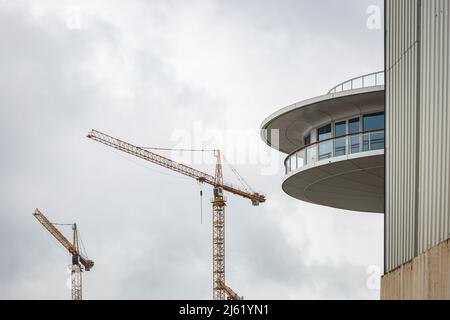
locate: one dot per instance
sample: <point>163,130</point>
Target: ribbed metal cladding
<point>401,118</point>
<point>434,192</point>
<point>417,128</point>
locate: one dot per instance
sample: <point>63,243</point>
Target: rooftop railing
<point>335,147</point>
<point>367,80</point>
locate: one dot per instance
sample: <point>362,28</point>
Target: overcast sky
<point>169,74</point>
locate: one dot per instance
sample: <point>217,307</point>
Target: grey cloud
<point>139,223</point>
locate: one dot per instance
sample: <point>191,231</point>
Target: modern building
<point>334,145</point>
<point>336,153</point>
<point>417,219</point>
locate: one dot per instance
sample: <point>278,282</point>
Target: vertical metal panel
<point>434,125</point>
<point>401,116</point>
<point>417,128</point>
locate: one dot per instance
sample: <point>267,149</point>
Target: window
<point>307,140</point>
<point>340,130</point>
<point>373,140</point>
<point>326,147</point>
<point>324,132</point>
<point>377,140</point>
<point>292,163</point>
<point>311,154</point>
<point>353,127</point>
<point>300,158</point>
<point>372,122</point>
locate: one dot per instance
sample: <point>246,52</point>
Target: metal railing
<point>335,147</point>
<point>367,80</point>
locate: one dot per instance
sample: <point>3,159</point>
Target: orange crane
<point>78,260</point>
<point>218,202</point>
<point>230,293</point>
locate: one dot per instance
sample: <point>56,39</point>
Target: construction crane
<point>218,202</point>
<point>78,261</point>
<point>231,295</point>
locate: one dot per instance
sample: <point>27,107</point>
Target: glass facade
<point>373,121</point>
<point>353,125</point>
<point>354,128</point>
<point>324,132</point>
<point>373,139</point>
<point>340,138</point>
<point>340,130</point>
<point>325,147</point>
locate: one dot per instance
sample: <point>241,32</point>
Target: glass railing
<point>335,147</point>
<point>367,80</point>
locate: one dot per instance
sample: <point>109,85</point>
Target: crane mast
<point>231,295</point>
<point>77,292</point>
<point>218,202</point>
<point>218,233</point>
<point>78,261</point>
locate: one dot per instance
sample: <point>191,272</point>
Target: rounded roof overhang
<point>352,182</point>
<point>294,121</point>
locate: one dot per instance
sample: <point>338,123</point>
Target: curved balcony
<point>342,168</point>
<point>335,147</point>
<point>294,121</point>
<point>368,80</point>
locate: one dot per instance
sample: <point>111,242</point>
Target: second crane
<point>218,201</point>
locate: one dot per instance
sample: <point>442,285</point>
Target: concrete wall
<point>417,128</point>
<point>427,276</point>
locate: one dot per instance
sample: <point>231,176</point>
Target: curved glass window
<point>324,132</point>
<point>326,147</point>
<point>340,130</point>
<point>354,143</point>
<point>374,121</point>
<point>353,125</point>
<point>340,138</point>
<point>373,140</point>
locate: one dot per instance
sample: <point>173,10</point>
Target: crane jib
<point>219,287</point>
<point>88,264</point>
<point>170,164</point>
